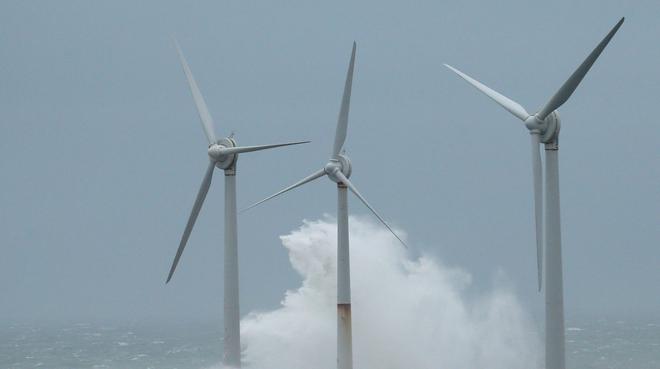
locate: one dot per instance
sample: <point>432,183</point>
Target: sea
<point>590,344</point>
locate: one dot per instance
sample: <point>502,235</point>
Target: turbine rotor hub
<point>223,161</point>
<point>533,123</point>
<point>548,129</point>
<point>339,164</point>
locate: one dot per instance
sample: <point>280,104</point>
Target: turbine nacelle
<point>547,128</point>
<point>552,125</point>
<point>218,153</point>
<point>340,164</point>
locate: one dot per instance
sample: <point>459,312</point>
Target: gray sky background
<point>101,150</point>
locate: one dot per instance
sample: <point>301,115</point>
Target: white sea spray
<point>407,312</point>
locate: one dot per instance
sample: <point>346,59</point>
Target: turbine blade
<point>353,189</point>
<point>538,203</point>
<point>508,104</point>
<point>204,115</point>
<point>201,195</point>
<point>242,149</point>
<point>566,90</point>
<point>311,177</point>
<point>342,120</point>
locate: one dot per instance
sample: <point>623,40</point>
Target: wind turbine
<point>338,169</point>
<point>223,154</point>
<point>544,128</point>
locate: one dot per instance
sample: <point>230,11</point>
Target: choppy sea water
<point>112,346</point>
<point>591,344</point>
<point>613,344</point>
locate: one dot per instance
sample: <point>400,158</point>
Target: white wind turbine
<point>223,154</point>
<point>544,128</point>
<point>338,169</point>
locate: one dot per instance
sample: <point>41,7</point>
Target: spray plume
<point>407,312</point>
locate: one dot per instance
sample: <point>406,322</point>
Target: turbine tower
<point>223,154</point>
<point>338,169</point>
<point>544,127</point>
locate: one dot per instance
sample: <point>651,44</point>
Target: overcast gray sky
<point>101,150</point>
